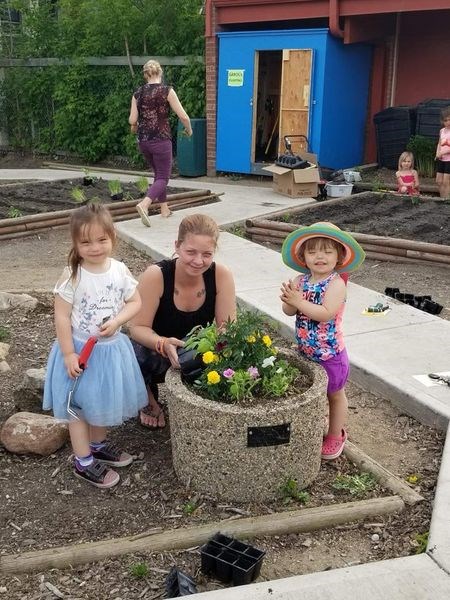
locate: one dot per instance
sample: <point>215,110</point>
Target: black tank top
<point>171,322</point>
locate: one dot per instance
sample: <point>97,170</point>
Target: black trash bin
<point>428,122</point>
<point>393,128</point>
<point>191,151</point>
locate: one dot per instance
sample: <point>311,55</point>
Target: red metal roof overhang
<point>229,12</point>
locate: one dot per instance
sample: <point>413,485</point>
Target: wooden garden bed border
<point>298,521</point>
<point>121,211</point>
<point>376,247</point>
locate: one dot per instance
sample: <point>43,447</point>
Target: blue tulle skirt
<point>110,390</point>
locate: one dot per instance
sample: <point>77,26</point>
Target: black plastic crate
<point>394,127</point>
<point>230,560</point>
<point>428,122</point>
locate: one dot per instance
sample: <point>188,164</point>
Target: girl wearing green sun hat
<point>321,252</point>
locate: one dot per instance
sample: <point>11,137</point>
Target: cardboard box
<point>296,183</point>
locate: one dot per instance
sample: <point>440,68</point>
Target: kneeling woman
<point>178,294</point>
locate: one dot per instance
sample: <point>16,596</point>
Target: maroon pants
<point>158,154</point>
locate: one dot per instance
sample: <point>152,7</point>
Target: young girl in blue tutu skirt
<point>94,297</point>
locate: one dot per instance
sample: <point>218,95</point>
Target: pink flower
<point>253,372</point>
<point>228,373</point>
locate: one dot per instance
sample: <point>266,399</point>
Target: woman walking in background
<point>149,118</point>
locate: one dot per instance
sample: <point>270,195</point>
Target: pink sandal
<point>333,446</point>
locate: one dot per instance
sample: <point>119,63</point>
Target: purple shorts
<point>338,369</point>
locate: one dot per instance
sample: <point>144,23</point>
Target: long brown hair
<point>82,218</point>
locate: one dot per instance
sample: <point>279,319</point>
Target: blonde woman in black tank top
<point>176,295</point>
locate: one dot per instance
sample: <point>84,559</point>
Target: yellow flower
<point>216,358</point>
<point>251,339</point>
<point>213,377</point>
<point>412,479</point>
<point>267,341</point>
<point>208,357</point>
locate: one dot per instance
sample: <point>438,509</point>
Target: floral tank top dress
<point>318,340</point>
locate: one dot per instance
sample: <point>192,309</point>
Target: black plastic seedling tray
<point>230,560</point>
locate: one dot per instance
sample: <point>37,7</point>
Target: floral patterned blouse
<point>153,112</point>
<point>318,340</point>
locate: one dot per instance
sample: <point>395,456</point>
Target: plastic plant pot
<point>209,553</point>
<point>117,197</point>
<point>243,571</point>
<point>231,560</point>
<point>431,307</point>
<point>391,291</point>
<point>238,546</point>
<point>191,365</point>
<point>225,540</point>
<point>224,566</point>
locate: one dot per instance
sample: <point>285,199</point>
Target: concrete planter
<point>216,447</point>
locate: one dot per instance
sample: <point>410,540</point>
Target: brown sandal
<point>155,414</point>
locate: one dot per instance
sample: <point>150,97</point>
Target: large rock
<point>30,433</point>
<point>28,397</point>
<point>8,300</point>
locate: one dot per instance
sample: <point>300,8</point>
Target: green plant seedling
<point>78,195</point>
<point>190,507</point>
<point>114,186</point>
<point>14,213</point>
<point>239,231</point>
<point>424,150</point>
<point>356,485</point>
<point>421,539</point>
<point>139,570</point>
<point>142,184</point>
<point>289,491</point>
<point>5,334</point>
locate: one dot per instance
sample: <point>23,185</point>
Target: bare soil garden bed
<point>20,199</point>
<point>384,215</point>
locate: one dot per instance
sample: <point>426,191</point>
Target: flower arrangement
<point>239,361</point>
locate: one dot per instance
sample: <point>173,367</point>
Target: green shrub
<point>424,150</point>
<point>356,485</point>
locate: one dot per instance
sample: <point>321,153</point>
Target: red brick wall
<point>424,49</point>
<point>211,103</point>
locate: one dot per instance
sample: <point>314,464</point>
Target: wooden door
<point>295,95</point>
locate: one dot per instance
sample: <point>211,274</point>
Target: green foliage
<point>142,184</point>
<point>83,109</point>
<point>241,361</point>
<point>356,485</point>
<point>139,570</point>
<point>289,491</point>
<point>5,334</point>
<point>421,539</point>
<point>78,195</point>
<point>114,186</point>
<point>424,150</point>
<point>14,213</point>
<point>190,507</point>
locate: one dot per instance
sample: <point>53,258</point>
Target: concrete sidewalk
<point>386,353</point>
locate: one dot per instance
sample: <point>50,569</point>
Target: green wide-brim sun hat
<point>354,254</point>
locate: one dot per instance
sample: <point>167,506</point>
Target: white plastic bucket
<point>338,190</point>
